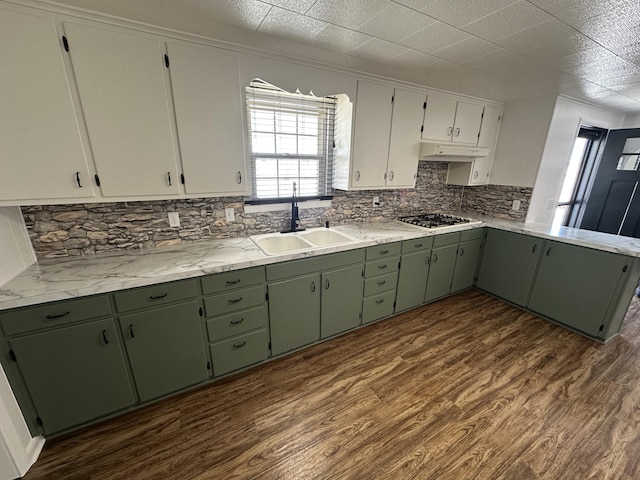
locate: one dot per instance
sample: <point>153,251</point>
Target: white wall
<point>16,252</point>
<point>632,121</point>
<point>523,132</point>
<point>567,117</point>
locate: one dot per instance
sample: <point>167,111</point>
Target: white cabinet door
<point>371,136</point>
<point>489,128</point>
<point>41,150</point>
<point>439,117</point>
<point>208,105</point>
<point>404,143</point>
<point>123,92</point>
<point>467,124</point>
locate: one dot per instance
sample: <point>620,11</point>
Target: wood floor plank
<point>466,387</point>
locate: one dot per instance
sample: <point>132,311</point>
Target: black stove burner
<point>433,220</point>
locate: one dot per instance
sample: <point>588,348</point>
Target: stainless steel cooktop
<point>436,220</point>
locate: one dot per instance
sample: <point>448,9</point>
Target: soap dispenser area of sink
<point>312,239</point>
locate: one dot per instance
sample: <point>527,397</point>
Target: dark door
<point>614,202</point>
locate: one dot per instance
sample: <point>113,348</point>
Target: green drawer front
<point>55,314</point>
<point>155,295</point>
<point>236,323</point>
<point>417,244</point>
<point>380,267</point>
<point>377,307</point>
<point>221,282</point>
<point>446,239</point>
<point>321,263</point>
<point>239,352</point>
<point>383,251</point>
<point>234,301</point>
<point>472,234</point>
<point>376,285</point>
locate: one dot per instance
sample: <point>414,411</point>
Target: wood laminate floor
<point>465,388</point>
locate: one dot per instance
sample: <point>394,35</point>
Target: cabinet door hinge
<point>200,312</point>
<point>269,345</point>
<point>208,365</point>
<point>601,328</point>
<point>424,106</point>
<point>363,273</point>
<point>166,60</point>
<point>182,178</point>
<point>624,269</point>
<point>38,421</point>
<point>65,43</point>
<point>266,296</point>
<point>421,128</point>
<point>97,180</point>
<point>392,98</point>
<point>12,356</point>
<point>360,316</point>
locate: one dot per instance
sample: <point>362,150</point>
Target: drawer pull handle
<point>239,345</point>
<point>435,259</point>
<point>104,337</point>
<point>60,315</point>
<point>379,301</point>
<point>382,267</point>
<point>235,300</point>
<point>233,282</point>
<point>417,245</point>
<point>535,247</point>
<point>384,252</point>
<point>382,283</point>
<point>461,251</point>
<point>131,332</point>
<point>236,322</point>
<point>157,297</point>
<point>548,251</point>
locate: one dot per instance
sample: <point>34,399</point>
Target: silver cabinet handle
<point>236,322</point>
<point>391,175</point>
<point>457,132</point>
<point>357,175</point>
<point>169,178</point>
<point>239,177</point>
<point>239,345</point>
<point>449,131</point>
<point>435,258</point>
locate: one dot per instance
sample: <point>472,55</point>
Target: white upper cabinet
<point>490,124</point>
<point>41,150</point>
<point>386,141</point>
<point>404,143</point>
<point>450,121</point>
<point>370,149</point>
<point>122,83</point>
<point>208,107</point>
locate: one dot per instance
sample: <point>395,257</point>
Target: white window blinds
<point>290,140</point>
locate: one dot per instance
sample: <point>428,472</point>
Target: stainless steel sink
<point>276,243</point>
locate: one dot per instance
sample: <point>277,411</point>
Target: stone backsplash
<point>86,229</point>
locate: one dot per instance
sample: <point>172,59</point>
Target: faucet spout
<point>294,214</point>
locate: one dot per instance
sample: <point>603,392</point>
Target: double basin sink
<point>312,239</point>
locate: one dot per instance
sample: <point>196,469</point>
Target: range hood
<point>451,153</point>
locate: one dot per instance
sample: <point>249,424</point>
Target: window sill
<point>284,206</point>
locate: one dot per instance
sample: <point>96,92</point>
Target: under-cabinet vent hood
<point>451,153</point>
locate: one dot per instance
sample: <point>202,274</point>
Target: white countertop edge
<point>73,277</point>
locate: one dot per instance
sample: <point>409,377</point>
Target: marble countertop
<point>64,278</point>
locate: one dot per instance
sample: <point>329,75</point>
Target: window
<point>290,140</point>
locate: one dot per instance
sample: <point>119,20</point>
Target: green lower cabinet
<point>294,313</point>
<point>379,306</point>
<point>466,265</point>
<point>239,352</point>
<point>576,286</point>
<point>165,348</point>
<point>443,262</point>
<point>412,280</point>
<point>74,374</point>
<point>508,266</point>
<point>341,304</point>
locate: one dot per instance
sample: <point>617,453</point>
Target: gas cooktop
<point>436,220</point>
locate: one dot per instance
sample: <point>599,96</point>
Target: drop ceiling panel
<point>288,24</point>
<point>507,21</point>
<point>542,34</point>
<point>413,59</point>
<point>435,37</point>
<point>340,39</point>
<point>466,50</point>
<point>379,50</point>
<point>395,22</point>
<point>347,13</point>
<point>463,12</point>
<point>298,6</point>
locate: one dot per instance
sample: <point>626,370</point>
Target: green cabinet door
<point>466,264</point>
<point>443,261</point>
<point>74,374</point>
<point>294,313</point>
<point>575,285</point>
<point>341,304</point>
<point>508,265</point>
<point>412,280</point>
<point>166,349</point>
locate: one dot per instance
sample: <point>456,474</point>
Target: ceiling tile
<point>299,6</point>
<point>517,16</point>
<point>544,33</point>
<point>568,46</point>
<point>346,13</point>
<point>463,12</point>
<point>396,22</point>
<point>246,13</point>
<point>378,50</point>
<point>340,39</point>
<point>288,24</point>
<point>544,3</point>
<point>413,58</point>
<point>415,4</point>
<point>466,50</point>
<point>578,13</point>
<point>434,37</point>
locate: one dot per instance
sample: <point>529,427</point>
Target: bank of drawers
<point>380,281</point>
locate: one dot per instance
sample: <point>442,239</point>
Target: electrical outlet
<point>229,214</point>
<point>515,206</point>
<point>174,219</point>
<point>376,201</point>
